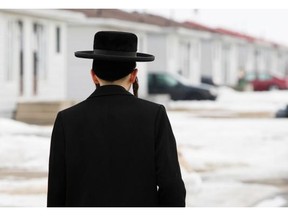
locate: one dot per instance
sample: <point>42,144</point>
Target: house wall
<point>157,45</point>
<point>79,83</point>
<point>189,58</point>
<point>217,62</point>
<point>53,85</point>
<point>281,62</point>
<point>176,54</point>
<point>195,58</point>
<point>206,57</point>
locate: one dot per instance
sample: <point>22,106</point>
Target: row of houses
<point>37,48</point>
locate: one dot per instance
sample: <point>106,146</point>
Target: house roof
<point>198,26</point>
<point>127,16</point>
<point>236,34</point>
<point>246,37</point>
<point>164,22</point>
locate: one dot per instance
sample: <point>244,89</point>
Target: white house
<point>32,56</point>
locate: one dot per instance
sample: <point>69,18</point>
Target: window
<point>39,51</point>
<point>9,50</point>
<point>250,76</point>
<point>39,55</point>
<point>264,77</point>
<point>14,50</point>
<point>58,39</point>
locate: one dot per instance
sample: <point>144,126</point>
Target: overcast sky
<point>263,23</point>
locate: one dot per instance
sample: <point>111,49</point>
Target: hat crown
<point>115,46</point>
<point>115,41</point>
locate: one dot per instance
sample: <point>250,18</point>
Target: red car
<point>265,82</point>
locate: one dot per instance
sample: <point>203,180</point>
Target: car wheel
<point>273,87</point>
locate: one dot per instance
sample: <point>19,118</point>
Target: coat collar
<point>109,90</point>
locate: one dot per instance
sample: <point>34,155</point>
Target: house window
<point>14,48</point>
<point>58,39</point>
<point>39,55</point>
<point>9,50</point>
<point>21,56</point>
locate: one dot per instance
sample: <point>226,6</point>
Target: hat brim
<point>140,57</point>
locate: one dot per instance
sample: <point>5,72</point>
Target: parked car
<point>265,81</point>
<point>179,88</point>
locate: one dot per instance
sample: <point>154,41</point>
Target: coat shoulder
<point>140,105</point>
<point>147,103</point>
<point>74,107</point>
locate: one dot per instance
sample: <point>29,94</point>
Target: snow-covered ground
<point>231,103</point>
<point>225,161</point>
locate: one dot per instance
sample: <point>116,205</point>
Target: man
<point>114,149</point>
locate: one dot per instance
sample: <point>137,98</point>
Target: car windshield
<point>251,77</point>
<point>166,80</point>
<point>259,76</point>
<point>264,76</point>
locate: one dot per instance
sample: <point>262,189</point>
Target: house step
<point>40,113</point>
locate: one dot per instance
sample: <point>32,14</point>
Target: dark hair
<point>112,70</point>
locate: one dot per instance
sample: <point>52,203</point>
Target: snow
<point>273,202</point>
<point>225,160</point>
<point>230,102</point>
<point>23,146</point>
<point>226,153</point>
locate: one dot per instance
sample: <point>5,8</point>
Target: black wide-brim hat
<point>115,46</point>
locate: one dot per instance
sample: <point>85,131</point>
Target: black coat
<point>114,149</point>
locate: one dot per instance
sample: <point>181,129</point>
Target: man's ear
<point>94,77</point>
<point>133,75</point>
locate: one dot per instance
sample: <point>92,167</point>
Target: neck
<point>127,87</point>
<point>124,82</point>
<point>124,85</point>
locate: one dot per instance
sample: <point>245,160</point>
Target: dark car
<point>179,88</point>
<point>265,81</point>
